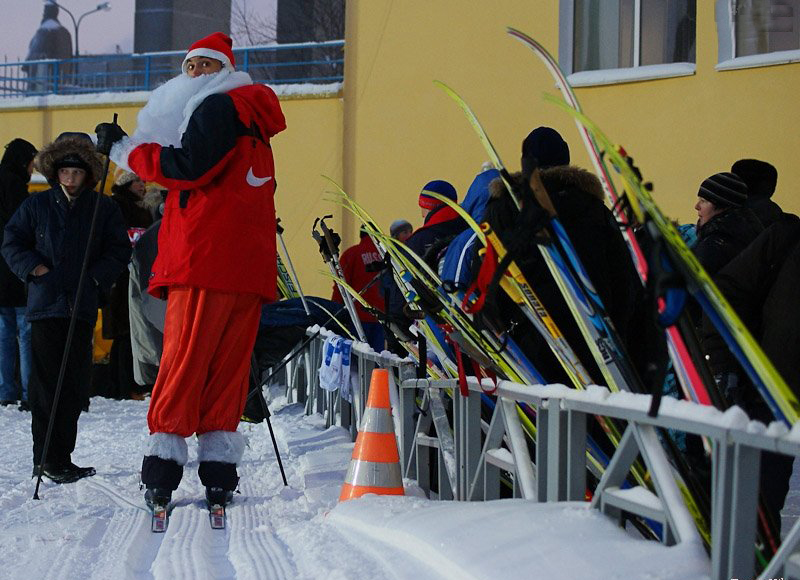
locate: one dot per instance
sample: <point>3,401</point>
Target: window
<point>627,39</point>
<point>758,32</point>
<point>766,26</point>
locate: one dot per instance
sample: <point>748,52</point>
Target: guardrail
<point>301,378</point>
<point>313,62</point>
<point>453,454</point>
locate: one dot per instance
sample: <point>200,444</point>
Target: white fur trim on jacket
<point>122,149</point>
<point>168,446</point>
<point>222,446</point>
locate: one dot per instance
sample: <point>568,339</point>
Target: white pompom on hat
<point>217,46</point>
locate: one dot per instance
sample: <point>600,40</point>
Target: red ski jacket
<point>218,230</point>
<point>354,261</point>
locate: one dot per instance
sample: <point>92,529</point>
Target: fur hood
<point>46,159</point>
<point>556,179</point>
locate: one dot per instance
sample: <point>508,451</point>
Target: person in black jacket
<point>578,198</point>
<point>761,178</point>
<point>128,191</point>
<point>761,285</point>
<point>44,244</point>
<point>441,225</point>
<point>724,226</point>
<point>15,173</point>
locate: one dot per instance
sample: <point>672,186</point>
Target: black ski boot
<point>64,472</point>
<point>216,496</point>
<point>156,497</point>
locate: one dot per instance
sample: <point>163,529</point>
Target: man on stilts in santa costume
<point>205,135</point>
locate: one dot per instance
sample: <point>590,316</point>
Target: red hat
<point>216,46</point>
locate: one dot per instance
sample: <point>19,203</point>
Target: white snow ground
<point>98,527</point>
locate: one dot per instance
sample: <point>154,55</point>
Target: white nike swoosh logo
<point>254,181</point>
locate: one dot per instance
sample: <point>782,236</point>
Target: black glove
<point>107,135</point>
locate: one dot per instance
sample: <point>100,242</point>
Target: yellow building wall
<point>310,148</point>
<point>401,131</point>
<point>392,130</point>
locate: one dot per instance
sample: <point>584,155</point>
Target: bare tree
<point>249,27</point>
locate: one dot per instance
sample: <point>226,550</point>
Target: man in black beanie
<point>761,178</point>
<point>15,173</point>
<point>724,225</point>
<point>578,198</point>
<point>545,147</point>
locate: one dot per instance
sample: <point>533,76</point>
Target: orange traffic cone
<point>375,463</point>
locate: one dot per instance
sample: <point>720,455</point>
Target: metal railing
<point>454,454</point>
<point>471,455</point>
<point>301,378</point>
<point>314,62</point>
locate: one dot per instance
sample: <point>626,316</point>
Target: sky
<point>99,33</point>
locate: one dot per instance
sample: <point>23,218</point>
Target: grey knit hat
<point>724,190</point>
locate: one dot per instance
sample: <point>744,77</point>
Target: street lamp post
<point>104,6</point>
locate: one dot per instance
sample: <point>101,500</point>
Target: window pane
<point>603,34</point>
<point>766,26</point>
<point>667,31</point>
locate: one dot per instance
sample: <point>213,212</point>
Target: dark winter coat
<point>441,226</point>
<point>45,230</point>
<point>761,284</point>
<point>134,214</point>
<point>577,196</point>
<point>767,211</point>
<point>218,230</point>
<point>13,191</point>
<point>115,314</point>
<point>724,236</point>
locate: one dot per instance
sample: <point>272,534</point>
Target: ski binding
<point>216,516</point>
<point>160,519</point>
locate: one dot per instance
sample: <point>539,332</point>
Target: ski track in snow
<point>100,528</point>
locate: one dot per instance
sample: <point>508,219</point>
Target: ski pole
<point>279,229</point>
<point>329,248</point>
<point>71,330</point>
<point>265,410</point>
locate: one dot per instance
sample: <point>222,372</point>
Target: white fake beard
<point>166,115</point>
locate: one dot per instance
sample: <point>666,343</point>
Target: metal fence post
<point>56,71</point>
<point>735,504</point>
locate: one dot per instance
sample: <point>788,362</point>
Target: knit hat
<point>398,226</point>
<point>546,146</point>
<point>123,177</point>
<point>724,190</point>
<point>217,46</point>
<point>761,177</point>
<point>18,153</point>
<point>439,186</point>
<point>71,160</point>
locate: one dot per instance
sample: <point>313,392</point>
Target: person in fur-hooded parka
<point>577,196</point>
<point>44,244</point>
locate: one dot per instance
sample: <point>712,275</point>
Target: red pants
<point>203,377</point>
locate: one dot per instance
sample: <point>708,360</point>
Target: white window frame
<point>566,10</point>
<point>726,44</point>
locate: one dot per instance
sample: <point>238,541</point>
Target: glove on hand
<point>107,135</point>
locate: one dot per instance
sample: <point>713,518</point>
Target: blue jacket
<point>45,230</point>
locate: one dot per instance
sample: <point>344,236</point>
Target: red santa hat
<point>216,46</point>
